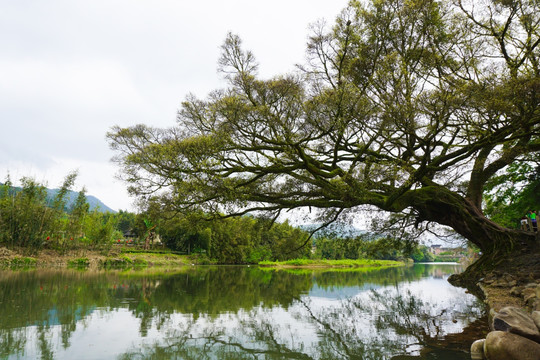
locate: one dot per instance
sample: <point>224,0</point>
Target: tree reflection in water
<point>380,324</point>
<point>239,313</point>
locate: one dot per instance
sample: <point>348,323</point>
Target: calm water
<point>237,313</point>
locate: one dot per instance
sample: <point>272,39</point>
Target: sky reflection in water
<point>236,313</point>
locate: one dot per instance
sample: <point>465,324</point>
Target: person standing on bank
<point>532,216</point>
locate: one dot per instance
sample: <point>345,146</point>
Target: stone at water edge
<point>516,321</point>
<point>536,318</point>
<point>477,350</point>
<point>500,345</point>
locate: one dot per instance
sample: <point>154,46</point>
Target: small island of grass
<point>346,263</point>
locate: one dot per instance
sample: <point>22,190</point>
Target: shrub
<point>121,262</point>
<point>23,261</point>
<point>80,262</point>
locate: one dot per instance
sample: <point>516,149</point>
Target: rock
<point>528,292</point>
<point>516,321</point>
<point>516,290</point>
<point>536,318</point>
<point>529,299</point>
<point>500,345</point>
<point>500,283</point>
<point>491,315</point>
<point>536,305</point>
<point>477,349</point>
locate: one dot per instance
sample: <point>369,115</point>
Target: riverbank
<point>92,259</point>
<point>123,256</point>
<point>512,282</point>
<point>515,283</point>
<point>511,290</point>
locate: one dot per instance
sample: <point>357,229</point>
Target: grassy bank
<point>128,257</point>
<point>84,258</point>
<point>307,263</point>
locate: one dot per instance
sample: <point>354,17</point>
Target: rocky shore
<point>512,293</point>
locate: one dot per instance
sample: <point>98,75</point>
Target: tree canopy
<point>409,106</point>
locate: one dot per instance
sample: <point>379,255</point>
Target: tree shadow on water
<point>381,325</point>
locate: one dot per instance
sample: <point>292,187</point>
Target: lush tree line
<point>29,219</point>
<point>234,240</point>
<point>370,247</point>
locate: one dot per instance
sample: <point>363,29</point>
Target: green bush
<point>23,261</point>
<point>140,262</point>
<point>121,262</point>
<point>80,262</point>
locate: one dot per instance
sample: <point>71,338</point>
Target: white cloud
<point>83,84</point>
<point>71,69</point>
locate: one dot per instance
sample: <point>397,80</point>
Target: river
<point>238,312</point>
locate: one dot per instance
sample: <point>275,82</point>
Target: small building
<point>436,249</point>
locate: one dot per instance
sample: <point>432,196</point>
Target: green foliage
<point>30,220</point>
<point>140,262</point>
<point>258,254</point>
<point>100,229</point>
<point>79,262</point>
<point>512,193</point>
<point>360,247</point>
<point>332,263</point>
<point>126,222</point>
<point>236,240</point>
<point>23,262</point>
<point>25,218</point>
<point>428,257</point>
<point>406,106</point>
<point>117,262</point>
<point>422,254</point>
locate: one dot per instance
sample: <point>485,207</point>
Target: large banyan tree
<point>408,106</point>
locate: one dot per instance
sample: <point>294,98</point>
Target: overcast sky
<point>71,69</point>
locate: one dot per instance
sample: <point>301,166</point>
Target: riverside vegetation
<point>428,111</point>
<point>241,240</point>
<point>39,230</point>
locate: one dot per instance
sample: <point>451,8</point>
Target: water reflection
<point>237,313</point>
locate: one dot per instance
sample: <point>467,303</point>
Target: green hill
<point>93,201</point>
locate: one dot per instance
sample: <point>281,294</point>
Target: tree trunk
<point>438,204</point>
<point>501,247</point>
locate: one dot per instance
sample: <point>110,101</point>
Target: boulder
<point>477,349</point>
<point>527,292</point>
<point>501,283</point>
<point>536,318</point>
<point>500,345</point>
<point>536,306</point>
<point>516,321</point>
<point>516,290</point>
<point>530,299</point>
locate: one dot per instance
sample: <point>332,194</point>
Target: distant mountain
<point>338,229</point>
<point>93,201</point>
